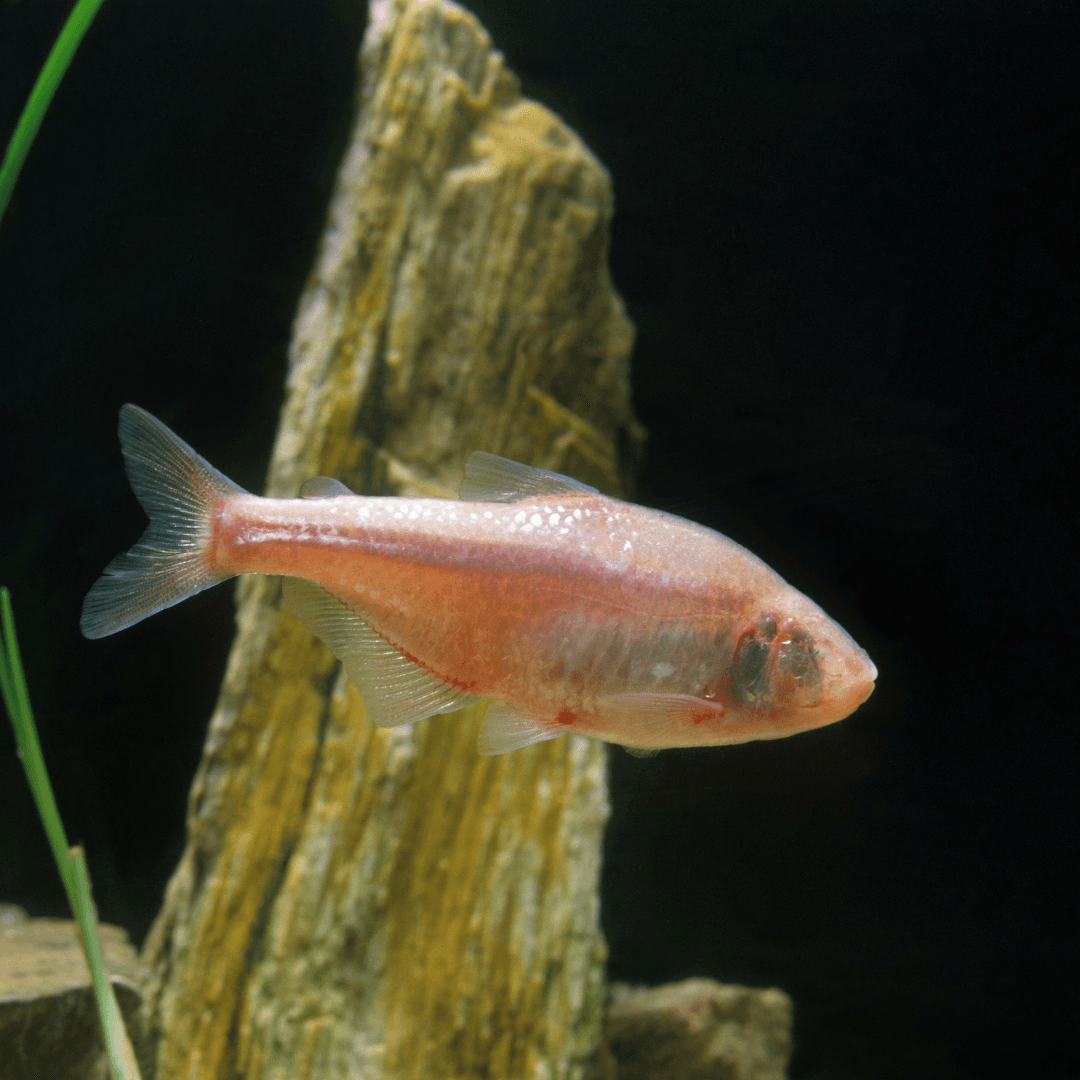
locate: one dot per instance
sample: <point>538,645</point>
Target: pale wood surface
<point>362,903</point>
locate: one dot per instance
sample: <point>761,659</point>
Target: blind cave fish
<point>567,609</point>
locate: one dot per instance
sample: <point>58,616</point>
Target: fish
<point>565,609</point>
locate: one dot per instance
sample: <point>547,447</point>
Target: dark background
<point>848,235</point>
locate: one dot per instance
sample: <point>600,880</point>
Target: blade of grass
<point>82,15</point>
<point>71,863</point>
<point>117,1043</point>
<point>17,700</point>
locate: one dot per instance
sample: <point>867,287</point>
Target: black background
<point>847,234</point>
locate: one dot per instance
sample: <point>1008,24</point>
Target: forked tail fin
<point>180,493</point>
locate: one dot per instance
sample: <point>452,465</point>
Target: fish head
<point>793,668</point>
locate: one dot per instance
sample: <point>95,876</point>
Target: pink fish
<point>570,610</point>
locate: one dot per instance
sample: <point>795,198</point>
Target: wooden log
<point>355,902</point>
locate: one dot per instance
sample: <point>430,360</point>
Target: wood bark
<point>355,902</point>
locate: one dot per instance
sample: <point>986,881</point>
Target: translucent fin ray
<point>504,728</point>
<point>490,478</point>
<point>323,487</point>
<point>642,751</point>
<point>395,689</point>
<point>656,718</point>
<point>180,492</point>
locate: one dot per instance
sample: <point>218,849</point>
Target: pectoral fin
<point>656,720</point>
<point>395,689</point>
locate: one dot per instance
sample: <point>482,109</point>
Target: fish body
<point>571,610</point>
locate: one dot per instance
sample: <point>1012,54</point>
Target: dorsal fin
<point>323,487</point>
<point>490,478</point>
<point>394,688</point>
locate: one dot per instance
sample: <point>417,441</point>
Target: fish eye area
<point>773,664</point>
<point>750,682</point>
<point>798,675</point>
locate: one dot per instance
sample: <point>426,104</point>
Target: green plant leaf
<point>82,15</point>
<point>70,862</point>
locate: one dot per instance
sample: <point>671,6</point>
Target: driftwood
<point>353,902</point>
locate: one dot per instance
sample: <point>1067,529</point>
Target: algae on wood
<point>353,902</point>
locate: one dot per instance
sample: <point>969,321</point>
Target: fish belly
<point>549,645</point>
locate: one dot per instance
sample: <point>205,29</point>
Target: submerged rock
<point>49,1025</point>
<point>699,1029</point>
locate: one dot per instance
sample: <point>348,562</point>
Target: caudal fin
<point>179,492</point>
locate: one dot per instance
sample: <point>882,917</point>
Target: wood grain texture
<point>387,904</point>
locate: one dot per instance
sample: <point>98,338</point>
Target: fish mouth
<point>859,681</point>
<point>868,675</point>
<point>845,691</point>
<point>871,667</point>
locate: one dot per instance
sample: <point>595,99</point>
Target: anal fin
<point>395,689</point>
